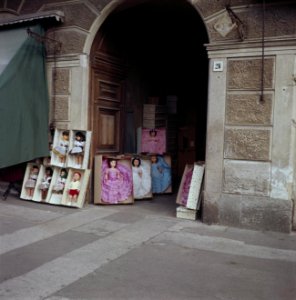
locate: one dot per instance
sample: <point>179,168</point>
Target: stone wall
<point>250,161</point>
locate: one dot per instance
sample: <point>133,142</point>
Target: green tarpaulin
<point>24,105</point>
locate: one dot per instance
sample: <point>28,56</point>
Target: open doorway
<point>152,51</point>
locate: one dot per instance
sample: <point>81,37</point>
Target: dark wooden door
<point>107,100</point>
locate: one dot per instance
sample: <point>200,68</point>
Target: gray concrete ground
<point>137,252</point>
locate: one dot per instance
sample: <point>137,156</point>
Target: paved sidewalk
<point>137,252</point>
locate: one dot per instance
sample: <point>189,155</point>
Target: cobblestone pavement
<point>140,252</point>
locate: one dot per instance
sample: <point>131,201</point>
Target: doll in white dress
<point>141,178</point>
<point>59,186</point>
<point>45,182</point>
<point>78,148</point>
<point>31,182</point>
<point>62,148</point>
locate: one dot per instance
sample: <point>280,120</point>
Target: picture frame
<point>189,193</point>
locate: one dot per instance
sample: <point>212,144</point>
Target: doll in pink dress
<point>117,183</point>
<point>153,141</point>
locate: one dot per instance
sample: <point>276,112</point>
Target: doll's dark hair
<point>154,131</point>
<point>65,132</point>
<point>109,159</point>
<point>81,135</point>
<point>50,170</point>
<point>154,155</point>
<point>136,158</point>
<point>65,171</point>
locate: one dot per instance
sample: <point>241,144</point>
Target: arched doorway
<point>150,50</point>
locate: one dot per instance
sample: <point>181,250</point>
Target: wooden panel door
<point>107,105</point>
<point>107,115</point>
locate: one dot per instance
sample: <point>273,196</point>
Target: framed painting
<point>189,194</point>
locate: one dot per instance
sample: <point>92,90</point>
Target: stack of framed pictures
<point>62,178</point>
<point>189,193</point>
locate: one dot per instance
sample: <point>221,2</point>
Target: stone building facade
<point>250,151</point>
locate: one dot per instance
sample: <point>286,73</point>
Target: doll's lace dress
<point>117,183</point>
<point>161,175</point>
<point>141,180</point>
<point>78,148</point>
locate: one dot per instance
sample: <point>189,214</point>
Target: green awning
<point>24,104</point>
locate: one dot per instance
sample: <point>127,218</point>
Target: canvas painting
<point>189,193</point>
<point>184,187</point>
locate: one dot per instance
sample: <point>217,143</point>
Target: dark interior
<point>162,43</point>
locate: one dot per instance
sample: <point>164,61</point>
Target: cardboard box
<point>113,184</point>
<point>185,213</point>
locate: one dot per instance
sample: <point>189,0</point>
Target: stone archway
<point>167,59</point>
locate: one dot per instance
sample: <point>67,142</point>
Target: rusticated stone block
<point>246,109</point>
<point>266,214</point>
<point>61,108</point>
<point>210,210</point>
<point>229,209</point>
<point>29,7</point>
<point>255,212</point>
<point>242,177</point>
<point>207,8</point>
<point>75,15</point>
<point>99,4</point>
<point>61,81</point>
<point>279,21</point>
<point>248,144</point>
<point>246,74</point>
<point>72,41</point>
<point>13,4</point>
